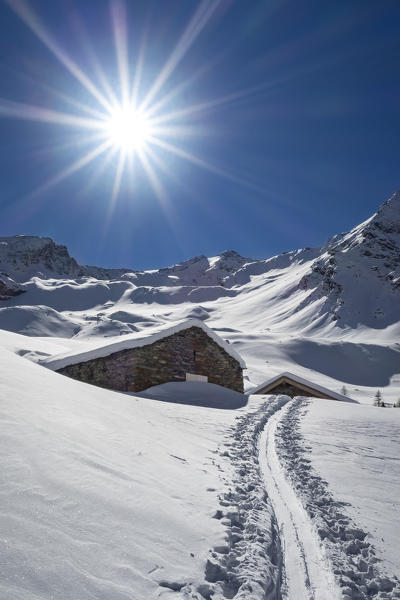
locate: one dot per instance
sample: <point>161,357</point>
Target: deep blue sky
<point>313,149</point>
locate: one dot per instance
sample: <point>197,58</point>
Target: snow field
<point>359,566</point>
<point>106,495</point>
<point>111,495</point>
<point>103,495</point>
<point>355,449</point>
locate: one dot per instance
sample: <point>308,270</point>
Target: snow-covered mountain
<point>366,259</point>
<point>314,308</point>
<point>111,495</point>
<point>362,264</point>
<point>369,255</point>
<point>25,256</point>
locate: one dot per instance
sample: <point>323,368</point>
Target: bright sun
<point>124,119</point>
<point>128,129</point>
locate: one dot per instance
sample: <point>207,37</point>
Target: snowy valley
<point>188,490</point>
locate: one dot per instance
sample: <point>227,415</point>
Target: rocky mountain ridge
<point>23,257</point>
<point>26,256</point>
<point>367,257</point>
<point>353,279</point>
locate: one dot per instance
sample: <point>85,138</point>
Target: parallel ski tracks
<point>307,570</point>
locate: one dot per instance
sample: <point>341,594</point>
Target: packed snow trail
<point>307,570</point>
<point>356,565</point>
<point>247,564</point>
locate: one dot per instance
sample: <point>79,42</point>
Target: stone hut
<point>292,385</point>
<point>187,351</point>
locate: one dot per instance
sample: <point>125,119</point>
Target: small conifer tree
<point>378,399</point>
<point>343,391</point>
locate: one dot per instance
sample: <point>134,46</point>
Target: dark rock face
<point>169,359</point>
<point>8,287</point>
<point>23,256</point>
<point>368,259</point>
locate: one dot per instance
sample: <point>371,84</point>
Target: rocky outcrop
<point>22,256</point>
<point>8,287</point>
<point>25,256</point>
<point>367,258</point>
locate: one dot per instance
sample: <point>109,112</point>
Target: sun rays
<point>129,123</point>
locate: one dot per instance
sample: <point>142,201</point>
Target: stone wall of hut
<point>288,389</point>
<point>188,351</point>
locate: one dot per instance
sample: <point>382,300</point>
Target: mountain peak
<point>25,256</point>
<point>232,257</point>
<point>233,253</point>
<point>388,216</point>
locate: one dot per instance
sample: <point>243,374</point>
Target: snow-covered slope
<point>103,495</point>
<point>366,442</point>
<point>358,274</point>
<point>108,495</point>
<point>159,495</point>
<point>332,278</point>
<point>328,314</point>
<point>337,464</point>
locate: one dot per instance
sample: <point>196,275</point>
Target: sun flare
<point>128,129</point>
<point>126,119</point>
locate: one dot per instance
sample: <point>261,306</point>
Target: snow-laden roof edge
<point>301,380</point>
<point>136,341</point>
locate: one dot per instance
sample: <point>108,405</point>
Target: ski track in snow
<point>249,565</point>
<point>272,549</point>
<point>308,574</point>
<point>286,538</point>
<point>359,572</point>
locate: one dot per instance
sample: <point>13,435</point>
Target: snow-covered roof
<point>136,340</point>
<point>296,379</point>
